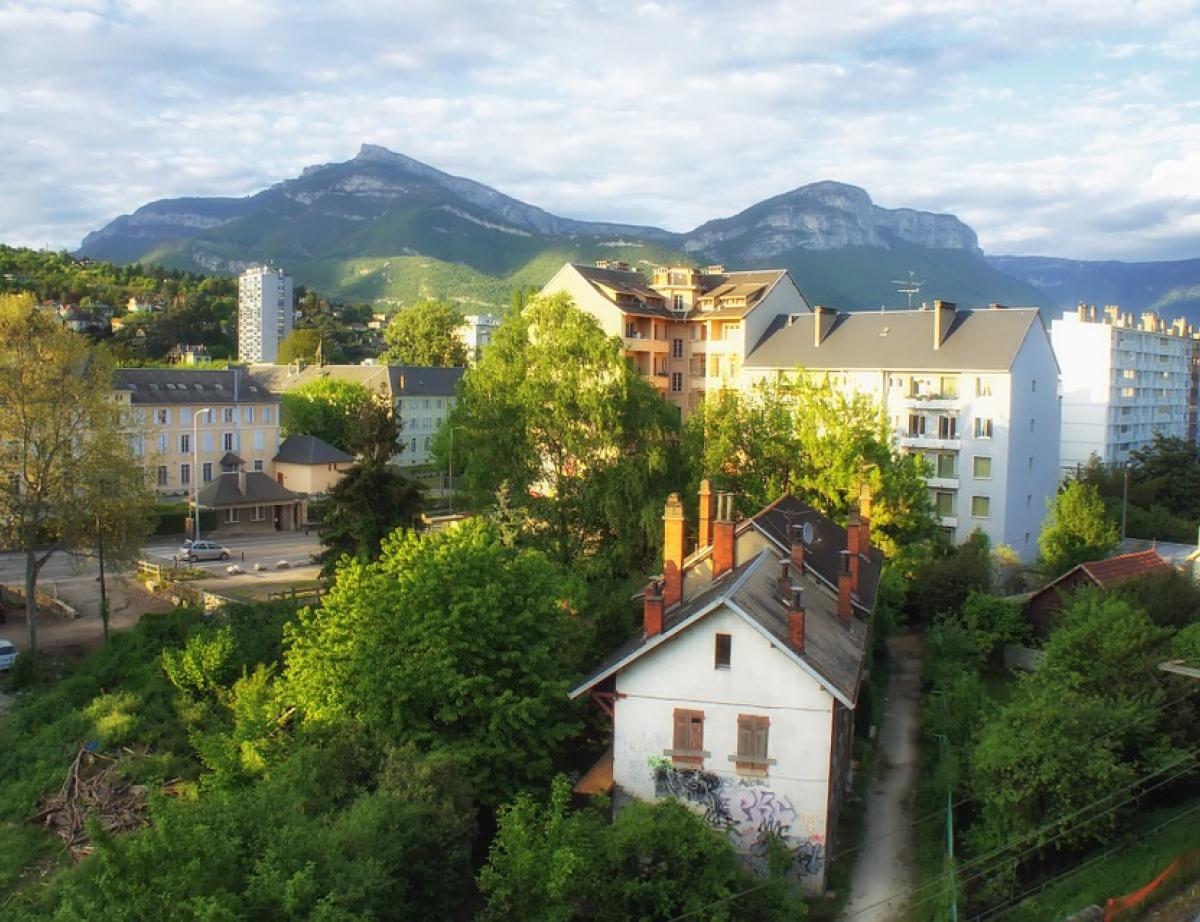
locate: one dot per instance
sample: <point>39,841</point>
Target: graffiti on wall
<point>751,815</point>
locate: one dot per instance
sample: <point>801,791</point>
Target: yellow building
<point>191,424</point>
<point>309,465</point>
<point>686,330</point>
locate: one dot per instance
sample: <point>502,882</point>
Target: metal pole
<point>196,473</point>
<point>1124,499</point>
<point>103,588</point>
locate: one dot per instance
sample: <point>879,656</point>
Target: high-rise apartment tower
<point>264,313</point>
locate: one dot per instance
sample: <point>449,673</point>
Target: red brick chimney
<point>722,548</point>
<point>797,540</point>
<point>673,528</point>
<point>652,610</point>
<point>844,609</point>
<point>796,620</point>
<point>784,583</point>
<point>854,546</point>
<point>705,536</point>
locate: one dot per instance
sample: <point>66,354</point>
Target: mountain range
<point>385,227</point>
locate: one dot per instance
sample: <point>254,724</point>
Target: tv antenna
<point>909,286</point>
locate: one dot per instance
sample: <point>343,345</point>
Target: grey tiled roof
<point>834,653</point>
<point>186,386</point>
<point>393,380</point>
<point>224,491</point>
<point>308,449</point>
<point>978,340</point>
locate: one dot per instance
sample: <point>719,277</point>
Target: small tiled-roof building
<point>310,464</point>
<point>738,696</point>
<point>250,501</point>
<point>1045,604</point>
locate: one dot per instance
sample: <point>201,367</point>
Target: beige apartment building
<point>686,330</point>
<point>192,425</point>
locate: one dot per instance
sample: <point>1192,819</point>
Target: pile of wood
<point>93,787</point>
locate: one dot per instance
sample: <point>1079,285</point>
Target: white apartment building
<point>264,313</point>
<point>1122,382</point>
<point>476,333</point>
<point>192,425</point>
<point>974,391</point>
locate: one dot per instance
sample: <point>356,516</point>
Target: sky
<point>1052,128</point>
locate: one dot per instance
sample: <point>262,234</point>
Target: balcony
<point>944,483</point>
<point>931,442</point>
<point>932,401</point>
<point>661,380</point>
<point>638,343</point>
<point>948,521</point>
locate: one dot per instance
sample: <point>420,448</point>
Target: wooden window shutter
<point>696,740</point>
<point>682,729</point>
<point>760,738</point>
<point>745,737</point>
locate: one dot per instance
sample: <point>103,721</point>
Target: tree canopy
<point>328,408</point>
<point>450,641</point>
<point>67,471</point>
<point>586,448</point>
<point>370,501</point>
<point>300,345</point>
<point>424,334</point>
<point>1077,529</point>
<point>806,436</point>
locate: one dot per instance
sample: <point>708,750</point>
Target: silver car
<point>8,654</point>
<point>203,550</point>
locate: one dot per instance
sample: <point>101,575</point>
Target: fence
<point>311,595</point>
<point>1129,906</point>
<point>180,593</point>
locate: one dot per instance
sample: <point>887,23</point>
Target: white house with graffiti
<point>738,697</point>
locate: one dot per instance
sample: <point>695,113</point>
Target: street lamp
<point>196,471</point>
<point>452,430</point>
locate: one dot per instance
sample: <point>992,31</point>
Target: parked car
<point>8,654</point>
<point>203,550</point>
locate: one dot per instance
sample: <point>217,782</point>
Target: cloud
<point>1066,127</point>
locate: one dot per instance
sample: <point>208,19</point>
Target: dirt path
<point>884,869</point>
<point>127,600</point>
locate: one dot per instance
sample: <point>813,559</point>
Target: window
<point>162,444</point>
<point>678,302</point>
<point>227,414</point>
<point>945,465</point>
<point>206,471</point>
<point>426,403</point>
<point>676,382</point>
<point>981,507</point>
<point>1129,374</point>
<point>983,387</point>
<point>1031,424</point>
<point>947,427</point>
<point>227,441</point>
<point>1031,462</point>
<point>258,439</point>
<point>916,425</point>
<point>162,475</point>
<point>413,446</point>
<point>267,414</point>
<point>688,748</point>
<point>185,473</point>
<point>162,416</point>
<point>752,744</point>
<point>1028,500</point>
<point>722,651</point>
<point>983,428</point>
<point>677,348</point>
<point>231,516</point>
<point>185,416</point>
<point>949,387</point>
<point>943,503</point>
<point>258,514</point>
<point>258,465</point>
<point>428,440</point>
<point>248,414</point>
<point>1033,385</point>
<point>208,442</point>
<point>983,467</point>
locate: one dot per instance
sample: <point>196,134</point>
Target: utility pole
<point>1124,498</point>
<point>103,588</point>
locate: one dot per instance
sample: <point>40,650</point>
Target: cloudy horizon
<point>1064,129</point>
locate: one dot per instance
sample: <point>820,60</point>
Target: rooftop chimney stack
<point>796,619</point>
<point>853,547</point>
<point>943,317</point>
<point>705,538</point>
<point>723,540</point>
<point>785,578</point>
<point>652,610</point>
<point>673,528</point>
<point>823,319</point>
<point>844,609</point>
<point>797,539</point>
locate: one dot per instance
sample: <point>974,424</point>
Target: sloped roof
<point>260,489</point>
<point>834,653</point>
<point>392,380</point>
<point>647,301</point>
<point>1113,571</point>
<point>202,386</point>
<point>977,340</point>
<point>308,449</point>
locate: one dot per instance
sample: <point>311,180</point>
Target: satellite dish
<point>806,533</point>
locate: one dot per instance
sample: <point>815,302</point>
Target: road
<point>884,870</point>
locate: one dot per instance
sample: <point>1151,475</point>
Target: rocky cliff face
<point>824,216</point>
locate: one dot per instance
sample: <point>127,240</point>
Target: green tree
<point>944,580</point>
<point>1077,529</point>
<point>300,346</point>
<point>586,448</point>
<point>1167,472</point>
<point>808,437</point>
<point>424,334</point>
<point>68,477</point>
<point>370,501</point>
<point>450,641</point>
<point>328,408</point>
<point>654,861</point>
